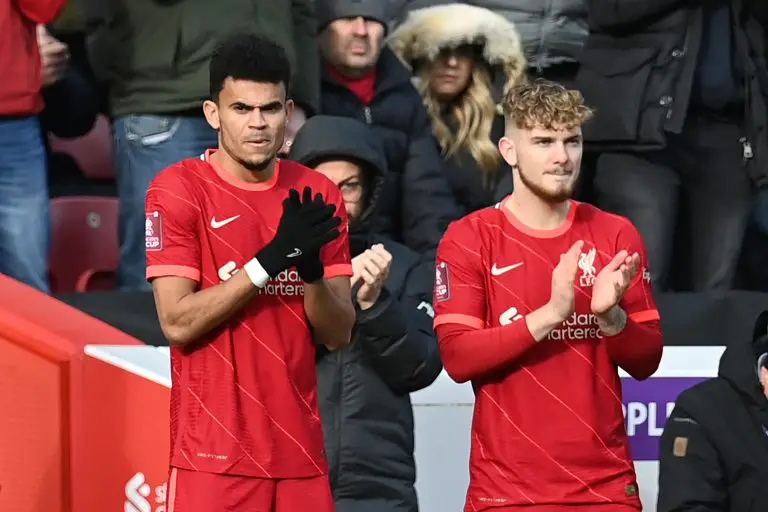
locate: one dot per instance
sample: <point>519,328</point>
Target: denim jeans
<point>144,146</point>
<point>24,212</point>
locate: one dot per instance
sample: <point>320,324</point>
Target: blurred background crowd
<point>97,96</point>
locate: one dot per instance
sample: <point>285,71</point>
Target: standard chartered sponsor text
<point>286,283</point>
<point>578,326</point>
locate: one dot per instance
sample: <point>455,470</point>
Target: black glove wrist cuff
<point>311,271</point>
<point>272,261</point>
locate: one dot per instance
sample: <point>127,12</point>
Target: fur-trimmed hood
<point>425,32</point>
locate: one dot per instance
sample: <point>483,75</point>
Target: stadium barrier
<point>44,401</point>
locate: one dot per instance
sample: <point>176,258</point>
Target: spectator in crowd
<point>680,92</point>
<point>363,389</point>
<point>71,105</point>
<point>366,81</point>
<point>24,213</point>
<point>553,32</point>
<point>153,58</point>
<point>713,456</point>
<point>456,50</point>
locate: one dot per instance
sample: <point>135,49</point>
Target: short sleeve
<point>459,295</point>
<point>171,229</point>
<point>638,301</point>
<point>335,254</point>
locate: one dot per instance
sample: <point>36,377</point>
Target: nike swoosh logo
<point>216,224</point>
<point>497,271</point>
<point>296,252</point>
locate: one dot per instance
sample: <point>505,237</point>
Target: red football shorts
<point>195,491</point>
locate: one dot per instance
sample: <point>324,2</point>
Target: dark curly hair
<point>248,56</point>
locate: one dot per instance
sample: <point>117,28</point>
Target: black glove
<point>310,266</point>
<point>304,228</point>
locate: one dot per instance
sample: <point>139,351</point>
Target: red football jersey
<point>548,427</point>
<point>243,399</point>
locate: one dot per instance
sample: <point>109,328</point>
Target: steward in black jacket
<point>363,389</point>
<point>714,449</point>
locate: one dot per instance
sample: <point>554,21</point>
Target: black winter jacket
<point>363,389</point>
<point>714,449</point>
<point>416,204</point>
<point>465,176</point>
<point>638,66</point>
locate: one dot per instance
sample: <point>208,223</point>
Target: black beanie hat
<point>328,11</point>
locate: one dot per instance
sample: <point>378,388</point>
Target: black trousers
<point>690,202</point>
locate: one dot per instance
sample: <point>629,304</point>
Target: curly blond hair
<point>545,104</point>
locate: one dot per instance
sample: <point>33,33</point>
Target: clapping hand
<point>612,282</point>
<point>372,268</point>
<point>562,298</point>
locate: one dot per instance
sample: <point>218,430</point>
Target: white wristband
<point>256,273</point>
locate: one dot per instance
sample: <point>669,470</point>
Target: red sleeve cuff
<point>339,269</point>
<point>192,273</point>
<point>648,315</point>
<point>456,318</point>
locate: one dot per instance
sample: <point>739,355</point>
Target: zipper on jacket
<point>367,115</point>
<point>747,153</point>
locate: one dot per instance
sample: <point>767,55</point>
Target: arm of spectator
<point>613,14</point>
<point>397,337</point>
<point>427,203</point>
<point>71,106</point>
<point>306,86</point>
<point>99,46</point>
<point>40,11</point>
<point>690,476</point>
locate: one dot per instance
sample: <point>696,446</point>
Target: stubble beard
<point>549,197</point>
<point>256,166</point>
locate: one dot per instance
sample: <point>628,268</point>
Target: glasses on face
<point>351,190</point>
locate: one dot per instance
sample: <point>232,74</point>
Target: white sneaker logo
<point>216,224</point>
<point>497,271</point>
<point>296,252</point>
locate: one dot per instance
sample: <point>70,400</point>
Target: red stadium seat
<point>84,245</point>
<point>92,152</point>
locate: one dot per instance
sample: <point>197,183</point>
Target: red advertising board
<point>42,342</point>
<point>125,434</point>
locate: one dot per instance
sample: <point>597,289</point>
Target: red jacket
<point>20,79</point>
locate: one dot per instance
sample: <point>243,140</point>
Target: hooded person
<point>714,449</point>
<point>462,57</point>
<point>363,390</point>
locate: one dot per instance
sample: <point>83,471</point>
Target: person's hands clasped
<point>307,224</point>
<point>563,294</point>
<point>309,265</point>
<point>54,56</point>
<point>372,268</point>
<point>613,281</point>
